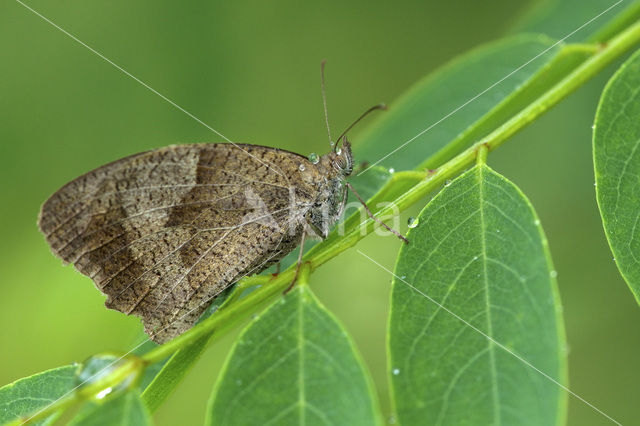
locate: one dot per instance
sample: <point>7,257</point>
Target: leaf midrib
<point>301,393</point>
<point>483,242</point>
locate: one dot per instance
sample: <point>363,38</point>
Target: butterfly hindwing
<point>163,232</point>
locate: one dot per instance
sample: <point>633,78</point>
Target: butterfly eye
<point>342,162</point>
<point>346,165</point>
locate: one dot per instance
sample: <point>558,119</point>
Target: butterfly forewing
<point>163,232</point>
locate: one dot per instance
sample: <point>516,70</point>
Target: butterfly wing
<point>163,232</point>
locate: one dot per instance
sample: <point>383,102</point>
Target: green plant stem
<point>404,188</point>
<point>335,244</point>
<point>481,157</point>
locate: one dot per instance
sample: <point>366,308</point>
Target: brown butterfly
<point>163,232</point>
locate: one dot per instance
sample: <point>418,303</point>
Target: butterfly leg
<point>298,264</point>
<point>375,219</point>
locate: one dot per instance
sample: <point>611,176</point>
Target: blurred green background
<point>250,69</point>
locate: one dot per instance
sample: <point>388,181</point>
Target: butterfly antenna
<point>324,101</point>
<point>373,108</point>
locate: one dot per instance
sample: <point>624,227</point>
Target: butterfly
<point>162,233</point>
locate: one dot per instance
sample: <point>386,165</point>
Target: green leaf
<point>294,364</point>
<point>478,252</point>
<point>454,87</point>
<point>558,18</point>
<point>172,373</point>
<point>616,155</point>
<point>122,409</point>
<point>27,396</point>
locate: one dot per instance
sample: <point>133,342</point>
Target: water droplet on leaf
<point>392,170</point>
<point>412,222</point>
<point>396,371</point>
<point>553,274</point>
<point>95,373</point>
<point>314,158</point>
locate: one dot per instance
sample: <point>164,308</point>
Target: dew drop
<point>536,222</point>
<point>403,277</point>
<point>593,127</point>
<point>553,274</point>
<point>447,182</point>
<point>595,183</point>
<point>301,167</point>
<point>412,222</point>
<point>392,170</point>
<point>475,257</point>
<point>396,371</point>
<point>98,367</point>
<point>314,158</point>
